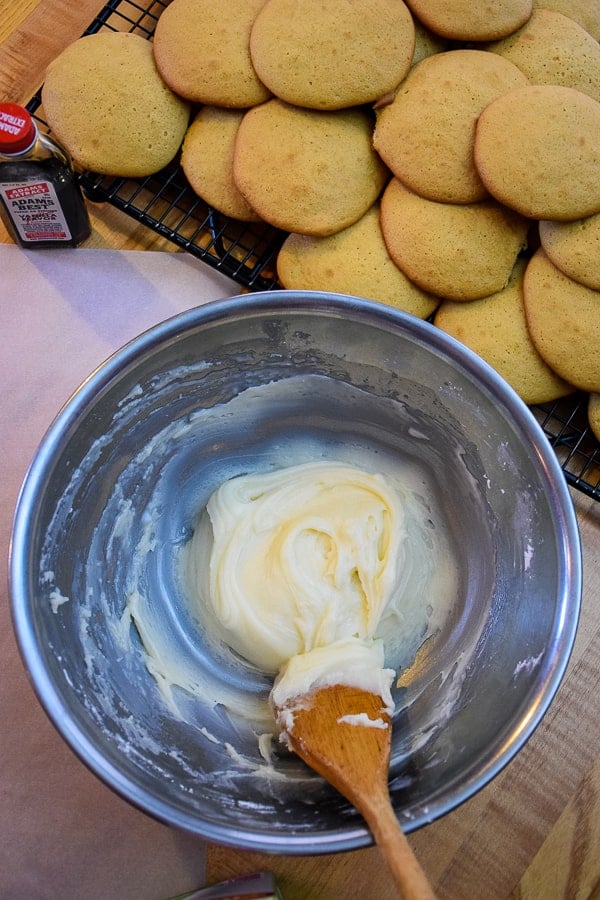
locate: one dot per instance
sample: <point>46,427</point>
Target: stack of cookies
<point>435,155</point>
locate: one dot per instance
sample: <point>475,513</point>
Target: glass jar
<point>41,203</point>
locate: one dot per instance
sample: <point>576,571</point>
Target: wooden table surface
<point>534,832</point>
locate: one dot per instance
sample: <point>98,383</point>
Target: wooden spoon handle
<point>355,760</point>
<point>395,849</point>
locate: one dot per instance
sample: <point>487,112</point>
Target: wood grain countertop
<point>533,833</point>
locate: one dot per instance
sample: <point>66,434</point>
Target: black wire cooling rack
<point>247,253</point>
<point>565,423</point>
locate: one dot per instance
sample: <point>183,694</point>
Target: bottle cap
<point>17,128</point>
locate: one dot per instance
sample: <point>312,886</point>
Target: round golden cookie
<point>594,414</point>
<point>459,252</point>
<point>563,318</point>
<point>207,161</point>
<point>537,150</point>
<point>307,171</point>
<point>465,20</point>
<point>495,328</point>
<point>332,55</point>
<point>553,49</point>
<point>585,12</point>
<point>202,52</point>
<point>353,261</point>
<point>574,248</point>
<point>426,135</point>
<point>106,102</point>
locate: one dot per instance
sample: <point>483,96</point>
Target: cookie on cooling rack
<point>307,171</point>
<point>459,252</point>
<point>353,261</point>
<point>553,49</point>
<point>563,318</point>
<point>426,135</point>
<point>207,161</point>
<point>537,150</point>
<point>585,12</point>
<point>106,102</point>
<point>495,328</point>
<point>574,248</point>
<point>202,52</point>
<point>464,20</point>
<point>332,55</point>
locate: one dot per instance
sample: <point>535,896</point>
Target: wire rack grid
<point>166,203</point>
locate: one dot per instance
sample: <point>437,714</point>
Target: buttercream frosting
<point>304,563</point>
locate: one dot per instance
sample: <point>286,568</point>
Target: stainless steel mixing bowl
<point>133,455</point>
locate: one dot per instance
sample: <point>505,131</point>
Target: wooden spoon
<point>354,757</point>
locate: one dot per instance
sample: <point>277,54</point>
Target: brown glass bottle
<point>41,203</point>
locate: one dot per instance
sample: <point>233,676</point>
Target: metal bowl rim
<point>285,303</point>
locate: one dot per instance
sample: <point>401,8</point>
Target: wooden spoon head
<point>344,734</point>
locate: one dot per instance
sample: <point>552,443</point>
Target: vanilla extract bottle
<point>41,203</point>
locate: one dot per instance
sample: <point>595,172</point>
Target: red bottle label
<point>35,211</point>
